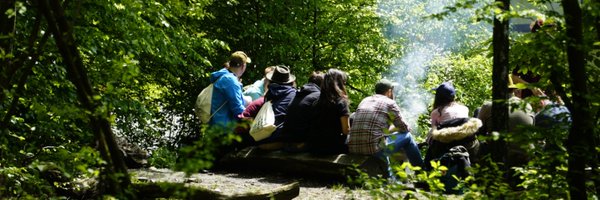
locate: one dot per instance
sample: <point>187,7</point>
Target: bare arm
<point>345,124</point>
<point>536,91</point>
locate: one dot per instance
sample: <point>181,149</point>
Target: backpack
<point>203,104</point>
<point>264,123</point>
<point>457,161</point>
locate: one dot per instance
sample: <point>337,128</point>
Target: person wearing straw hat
<point>520,116</point>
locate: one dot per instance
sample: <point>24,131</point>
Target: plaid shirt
<point>371,122</point>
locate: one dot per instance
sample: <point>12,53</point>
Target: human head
<point>536,25</point>
<point>333,87</point>
<point>512,88</point>
<point>383,86</point>
<point>269,69</point>
<point>316,77</point>
<point>237,62</point>
<point>444,95</point>
<point>281,75</point>
<point>238,58</point>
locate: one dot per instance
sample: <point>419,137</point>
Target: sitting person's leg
<point>383,155</point>
<point>405,141</point>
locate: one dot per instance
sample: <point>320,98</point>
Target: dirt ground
<point>239,183</point>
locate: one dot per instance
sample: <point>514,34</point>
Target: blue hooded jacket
<point>227,92</point>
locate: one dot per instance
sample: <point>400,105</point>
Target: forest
<point>79,79</point>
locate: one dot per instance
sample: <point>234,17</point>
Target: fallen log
<point>337,166</point>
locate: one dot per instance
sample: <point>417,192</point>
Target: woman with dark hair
<point>451,127</point>
<point>330,125</point>
<point>444,106</point>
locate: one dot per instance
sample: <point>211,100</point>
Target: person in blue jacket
<point>227,100</point>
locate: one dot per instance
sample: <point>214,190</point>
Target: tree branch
<point>23,79</point>
<point>356,89</point>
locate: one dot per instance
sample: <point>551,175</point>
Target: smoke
<point>423,40</point>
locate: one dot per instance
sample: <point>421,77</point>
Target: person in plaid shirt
<point>378,129</point>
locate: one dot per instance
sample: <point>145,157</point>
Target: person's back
<point>280,92</point>
<point>520,116</point>
<point>227,101</point>
<point>450,112</point>
<point>554,116</point>
<point>372,132</point>
<point>328,130</point>
<point>301,111</point>
<point>451,133</point>
<point>450,126</point>
<point>371,123</point>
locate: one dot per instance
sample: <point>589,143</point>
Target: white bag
<point>264,122</point>
<point>203,104</point>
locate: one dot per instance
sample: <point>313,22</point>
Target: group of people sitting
<point>316,117</point>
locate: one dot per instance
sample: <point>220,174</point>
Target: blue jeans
<point>394,143</point>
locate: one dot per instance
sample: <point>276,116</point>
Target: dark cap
<point>446,90</point>
<point>383,86</point>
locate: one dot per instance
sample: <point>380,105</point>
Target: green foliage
<point>203,151</point>
<point>471,77</point>
<point>23,183</point>
<point>308,36</point>
<point>163,158</point>
<point>432,178</point>
<point>144,59</point>
<point>147,61</point>
<point>149,64</point>
<point>487,181</point>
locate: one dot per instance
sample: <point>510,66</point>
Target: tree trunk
<point>115,179</point>
<point>499,82</point>
<point>582,128</point>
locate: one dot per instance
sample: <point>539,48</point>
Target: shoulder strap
<point>213,114</point>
